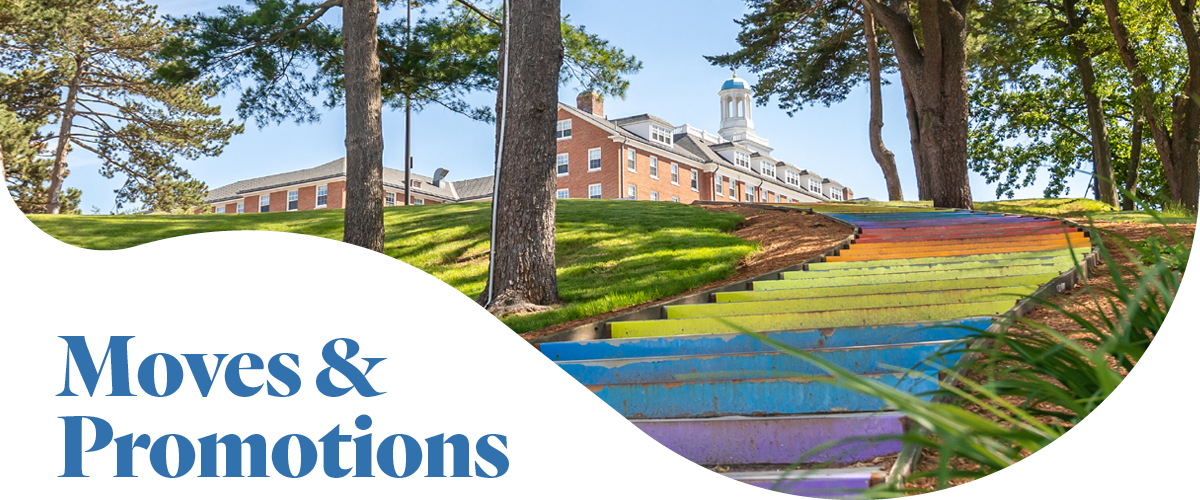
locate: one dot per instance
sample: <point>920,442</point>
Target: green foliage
<point>138,126</point>
<point>284,53</point>
<point>1027,386</point>
<point>804,51</point>
<point>610,254</point>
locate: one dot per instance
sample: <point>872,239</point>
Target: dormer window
<point>791,177</point>
<point>660,134</point>
<point>814,185</point>
<point>767,168</point>
<point>741,159</point>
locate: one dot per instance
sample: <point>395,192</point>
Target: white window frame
<point>597,158</point>
<point>720,187</point>
<point>732,189</point>
<point>654,196</point>
<point>562,194</point>
<point>418,201</point>
<point>221,209</point>
<point>241,209</point>
<point>319,195</point>
<point>767,168</point>
<point>675,199</point>
<point>741,159</point>
<point>562,160</point>
<point>264,200</point>
<point>814,185</point>
<point>750,194</point>
<point>293,196</point>
<point>675,174</point>
<point>563,130</point>
<point>631,161</point>
<point>597,193</point>
<point>836,194</point>
<point>791,177</point>
<point>631,191</point>
<point>695,180</point>
<point>661,134</point>
<point>389,199</point>
<point>653,167</point>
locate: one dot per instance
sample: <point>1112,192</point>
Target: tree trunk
<point>936,68</point>
<point>1102,167</point>
<point>364,126</point>
<point>59,173</point>
<point>1135,160</point>
<point>884,157</point>
<point>1176,138</point>
<point>521,275</point>
<point>914,132</point>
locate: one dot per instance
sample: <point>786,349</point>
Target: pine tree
<point>112,103</point>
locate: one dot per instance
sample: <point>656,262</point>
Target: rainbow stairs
<point>909,283</point>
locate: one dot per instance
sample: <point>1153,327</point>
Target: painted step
<point>952,274</point>
<point>919,286</point>
<point>870,269</point>
<point>1079,253</point>
<point>776,440</point>
<point>756,397</point>
<point>820,483</point>
<point>1032,224</point>
<point>808,321</point>
<point>861,360</point>
<point>935,222</point>
<point>953,253</point>
<point>982,232</point>
<point>734,343</point>
<point>728,309</point>
<point>923,244</point>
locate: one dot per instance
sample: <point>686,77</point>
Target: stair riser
<point>729,309</point>
<point>879,279</point>
<point>688,345</point>
<point>1079,252</point>
<point>1062,261</point>
<point>851,257</point>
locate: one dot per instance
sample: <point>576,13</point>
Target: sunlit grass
<point>610,254</point>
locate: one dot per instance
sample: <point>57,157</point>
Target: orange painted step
<point>977,250</point>
<point>1077,238</point>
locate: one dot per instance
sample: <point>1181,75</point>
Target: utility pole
<point>408,117</point>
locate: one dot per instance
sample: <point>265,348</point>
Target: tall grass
<point>1020,385</point>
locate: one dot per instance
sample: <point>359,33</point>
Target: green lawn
<point>1070,208</point>
<point>611,254</point>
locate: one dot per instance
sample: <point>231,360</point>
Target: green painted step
<point>726,309</point>
<point>921,286</point>
<point>1079,252</point>
<point>1064,262</point>
<point>808,320</point>
<point>986,272</point>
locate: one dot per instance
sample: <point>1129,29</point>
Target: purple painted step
<point>826,483</point>
<point>775,440</point>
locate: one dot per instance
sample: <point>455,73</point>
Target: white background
<point>451,368</point>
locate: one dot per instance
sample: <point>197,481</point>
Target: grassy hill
<point>610,254</point>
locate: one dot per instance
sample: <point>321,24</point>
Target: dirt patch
<point>787,237</point>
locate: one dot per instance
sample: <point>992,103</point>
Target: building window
<point>631,190</point>
<point>791,177</point>
<point>264,203</point>
<point>653,167</point>
<point>564,130</point>
<point>695,180</point>
<point>768,169</point>
<point>241,207</point>
<point>741,159</point>
<point>562,194</point>
<point>733,190</point>
<point>776,197</point>
<point>720,190</point>
<point>675,174</point>
<point>654,196</point>
<point>631,162</point>
<point>660,134</point>
<point>593,159</point>
<point>675,199</point>
<point>594,191</point>
<point>749,193</point>
<point>564,160</point>
<point>763,193</point>
<point>389,200</point>
<point>835,194</point>
<point>221,209</point>
<point>419,201</point>
<point>322,195</point>
<point>814,186</point>
<point>293,200</point>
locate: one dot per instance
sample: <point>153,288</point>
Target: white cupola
<point>737,114</point>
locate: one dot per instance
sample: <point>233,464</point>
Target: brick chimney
<point>592,102</point>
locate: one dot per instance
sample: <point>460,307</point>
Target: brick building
<point>325,187</point>
<point>644,157</point>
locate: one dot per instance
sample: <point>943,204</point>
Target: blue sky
<point>670,37</point>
